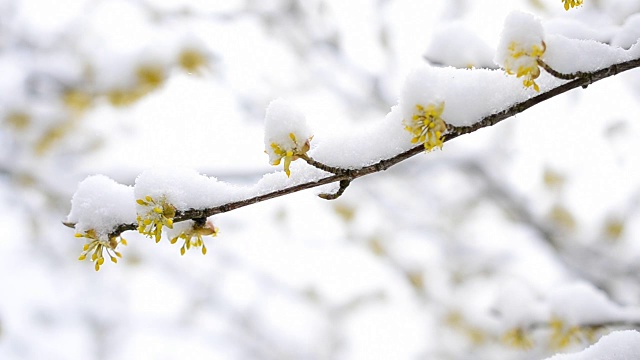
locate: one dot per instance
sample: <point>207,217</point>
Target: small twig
<point>586,79</point>
<point>322,166</point>
<point>558,74</point>
<point>343,186</point>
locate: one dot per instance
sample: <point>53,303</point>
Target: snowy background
<point>526,228</point>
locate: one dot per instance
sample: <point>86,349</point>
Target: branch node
<point>343,186</point>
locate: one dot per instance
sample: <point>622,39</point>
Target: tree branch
<point>594,325</point>
<point>345,176</point>
<point>584,80</point>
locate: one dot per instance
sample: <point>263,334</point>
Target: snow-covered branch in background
<point>436,106</point>
<point>571,314</point>
<point>619,345</point>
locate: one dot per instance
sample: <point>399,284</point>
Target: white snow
<point>582,303</point>
<point>184,188</point>
<point>101,204</point>
<point>619,345</point>
<point>456,45</point>
<point>572,55</point>
<point>364,143</point>
<point>629,34</point>
<point>301,173</point>
<point>576,28</point>
<point>282,120</point>
<point>518,305</point>
<point>468,94</point>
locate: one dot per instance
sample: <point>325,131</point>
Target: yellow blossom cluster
<point>149,77</point>
<point>563,335</point>
<point>97,246</point>
<point>523,62</point>
<point>160,213</point>
<point>571,3</point>
<point>192,236</point>
<point>289,152</point>
<point>518,338</point>
<point>426,126</point>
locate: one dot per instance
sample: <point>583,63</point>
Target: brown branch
<point>348,175</point>
<point>558,74</point>
<point>583,81</point>
<point>343,186</point>
<point>603,324</point>
<point>322,166</point>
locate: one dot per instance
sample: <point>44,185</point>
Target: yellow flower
<point>192,60</point>
<point>150,76</point>
<point>77,101</point>
<point>563,335</point>
<point>427,126</point>
<point>571,3</point>
<point>192,236</point>
<point>517,338</point>
<point>97,246</point>
<point>523,62</point>
<point>289,152</point>
<point>160,213</point>
<point>18,120</point>
<point>124,97</point>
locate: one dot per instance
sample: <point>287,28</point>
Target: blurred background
<point>495,247</point>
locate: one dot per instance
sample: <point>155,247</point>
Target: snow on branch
<point>436,106</point>
<point>619,345</point>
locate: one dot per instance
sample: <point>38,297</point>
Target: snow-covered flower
<point>571,3</point>
<point>98,207</point>
<point>286,135</point>
<point>523,62</point>
<point>192,232</point>
<point>426,125</point>
<point>520,47</point>
<point>153,214</point>
<point>97,246</point>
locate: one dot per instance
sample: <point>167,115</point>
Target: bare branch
<point>321,166</point>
